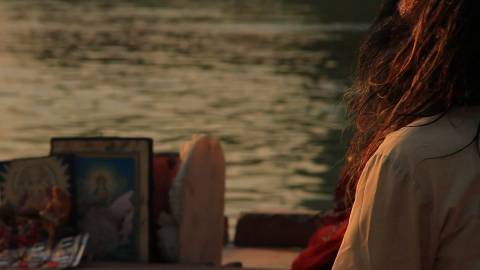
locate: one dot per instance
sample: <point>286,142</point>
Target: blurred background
<point>266,77</point>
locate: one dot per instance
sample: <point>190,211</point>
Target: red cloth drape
<point>324,244</point>
<point>165,168</point>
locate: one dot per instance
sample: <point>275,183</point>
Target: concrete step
<point>276,229</point>
<point>260,258</point>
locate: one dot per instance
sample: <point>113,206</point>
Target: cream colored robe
<point>418,202</point>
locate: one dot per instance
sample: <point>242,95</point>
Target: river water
<point>264,76</point>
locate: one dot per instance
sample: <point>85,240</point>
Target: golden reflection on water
<point>267,85</point>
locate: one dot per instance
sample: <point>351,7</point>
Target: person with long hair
<point>411,181</point>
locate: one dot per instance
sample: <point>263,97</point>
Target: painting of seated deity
<point>36,197</point>
<point>27,185</point>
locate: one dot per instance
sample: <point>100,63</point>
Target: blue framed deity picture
<point>112,180</point>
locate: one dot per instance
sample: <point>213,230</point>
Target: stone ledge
<point>276,229</point>
<point>145,266</point>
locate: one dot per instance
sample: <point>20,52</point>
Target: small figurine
<point>56,212</point>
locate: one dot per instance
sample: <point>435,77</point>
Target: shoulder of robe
<point>430,138</point>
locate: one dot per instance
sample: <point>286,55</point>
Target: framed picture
<point>27,183</point>
<point>113,183</point>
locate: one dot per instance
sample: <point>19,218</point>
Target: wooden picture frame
<point>113,179</point>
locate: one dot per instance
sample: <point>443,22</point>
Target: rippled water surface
<point>264,76</point>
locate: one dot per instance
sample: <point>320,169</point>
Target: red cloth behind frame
<point>324,244</point>
<point>165,168</point>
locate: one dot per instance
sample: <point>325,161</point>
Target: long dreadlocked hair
<point>407,70</point>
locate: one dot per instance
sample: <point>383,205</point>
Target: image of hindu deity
<point>27,183</point>
<point>106,206</point>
